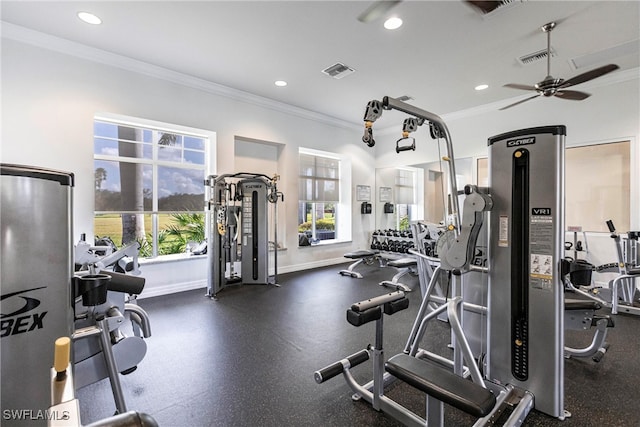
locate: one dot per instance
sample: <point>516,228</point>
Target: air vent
<point>338,71</point>
<point>535,56</point>
<point>487,8</point>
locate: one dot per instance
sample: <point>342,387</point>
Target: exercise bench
<point>362,256</point>
<point>405,265</point>
<point>441,385</point>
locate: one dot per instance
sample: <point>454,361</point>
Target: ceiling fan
<point>551,86</point>
<point>378,8</point>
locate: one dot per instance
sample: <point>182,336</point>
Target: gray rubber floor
<point>248,360</point>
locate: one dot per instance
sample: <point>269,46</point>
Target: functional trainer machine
<point>519,363</point>
<point>239,238</point>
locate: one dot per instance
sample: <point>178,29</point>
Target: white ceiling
<point>443,50</point>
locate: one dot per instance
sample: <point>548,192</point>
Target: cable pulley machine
<point>518,360</point>
<point>241,238</point>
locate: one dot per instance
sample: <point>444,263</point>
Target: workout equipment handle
<point>125,283</point>
<point>600,353</point>
<point>336,368</point>
<point>612,228</point>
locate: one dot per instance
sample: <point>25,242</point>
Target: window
<point>597,186</point>
<point>149,186</point>
<point>323,197</point>
<point>405,189</point>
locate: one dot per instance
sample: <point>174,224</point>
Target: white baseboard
<point>151,291</point>
<point>156,291</point>
<point>310,265</point>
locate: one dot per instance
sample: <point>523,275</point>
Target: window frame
<point>209,138</point>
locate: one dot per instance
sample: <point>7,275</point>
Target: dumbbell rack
<point>392,243</point>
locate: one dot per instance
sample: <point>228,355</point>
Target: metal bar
<point>392,103</point>
<point>112,368</point>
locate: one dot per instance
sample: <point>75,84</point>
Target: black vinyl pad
<point>442,384</point>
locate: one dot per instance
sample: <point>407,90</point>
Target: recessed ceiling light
<point>481,87</point>
<point>89,18</point>
<point>280,83</point>
<point>393,23</point>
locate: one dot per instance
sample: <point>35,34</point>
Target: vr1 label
<point>521,141</point>
<point>541,211</point>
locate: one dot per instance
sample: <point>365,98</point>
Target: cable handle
<point>611,227</point>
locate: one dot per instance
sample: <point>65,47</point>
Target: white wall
<point>49,100</point>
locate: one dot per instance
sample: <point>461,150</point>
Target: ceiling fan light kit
<point>552,86</point>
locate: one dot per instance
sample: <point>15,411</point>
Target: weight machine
<point>240,240</point>
<point>519,363</point>
<point>620,295</point>
<point>43,300</point>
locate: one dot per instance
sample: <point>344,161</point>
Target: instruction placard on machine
<point>541,250</point>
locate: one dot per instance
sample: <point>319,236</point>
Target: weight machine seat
<point>403,262</point>
<point>579,304</point>
<point>442,384</point>
<point>360,254</point>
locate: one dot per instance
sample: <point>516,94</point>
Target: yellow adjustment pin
<point>517,154</point>
<point>445,158</point>
<point>519,343</point>
<point>368,124</point>
<point>405,134</point>
<point>61,354</point>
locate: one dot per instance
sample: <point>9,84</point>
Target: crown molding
<point>57,44</point>
<point>79,50</point>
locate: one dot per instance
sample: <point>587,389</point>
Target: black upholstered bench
<point>442,384</point>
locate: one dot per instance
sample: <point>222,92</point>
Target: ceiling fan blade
<point>519,86</point>
<point>519,102</point>
<point>589,75</point>
<point>376,10</point>
<point>573,95</point>
<point>485,6</point>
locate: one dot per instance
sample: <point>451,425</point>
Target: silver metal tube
<point>112,368</point>
<point>423,328</point>
<point>81,333</point>
<point>139,316</point>
<point>423,307</point>
<point>462,343</point>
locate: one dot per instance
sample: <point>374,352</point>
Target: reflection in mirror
<point>399,197</point>
<point>416,192</point>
